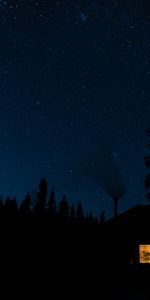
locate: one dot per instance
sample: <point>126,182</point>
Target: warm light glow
<point>144,254</point>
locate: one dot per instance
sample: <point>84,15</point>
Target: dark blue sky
<point>74,82</point>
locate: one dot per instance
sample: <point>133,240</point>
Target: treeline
<point>41,230</point>
<point>44,207</point>
<point>57,241</point>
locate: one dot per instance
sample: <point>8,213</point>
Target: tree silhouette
<point>96,220</point>
<point>10,207</point>
<point>72,214</point>
<point>147,164</point>
<point>52,213</point>
<point>1,206</point>
<point>90,218</point>
<point>79,214</point>
<point>25,209</point>
<point>102,217</point>
<point>63,212</point>
<point>40,206</point>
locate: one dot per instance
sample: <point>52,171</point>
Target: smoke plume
<point>104,169</point>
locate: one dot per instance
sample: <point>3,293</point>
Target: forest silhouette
<point>42,236</point>
<point>58,244</point>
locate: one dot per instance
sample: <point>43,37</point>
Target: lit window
<point>144,254</point>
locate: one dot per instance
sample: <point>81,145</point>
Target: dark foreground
<point>74,263</point>
<point>79,280</point>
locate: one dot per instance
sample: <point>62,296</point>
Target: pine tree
<point>63,210</point>
<point>40,206</point>
<point>102,217</point>
<point>52,213</point>
<point>91,218</point>
<point>10,207</point>
<point>147,164</point>
<point>79,214</point>
<point>72,214</point>
<point>1,206</point>
<point>25,209</point>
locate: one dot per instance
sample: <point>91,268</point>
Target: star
<point>83,17</point>
<point>74,78</point>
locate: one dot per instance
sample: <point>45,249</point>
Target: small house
<point>129,236</point>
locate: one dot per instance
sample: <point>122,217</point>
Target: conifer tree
<point>79,214</point>
<point>41,202</point>
<point>52,213</point>
<point>63,210</point>
<point>147,164</point>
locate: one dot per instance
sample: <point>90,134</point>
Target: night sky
<point>74,83</point>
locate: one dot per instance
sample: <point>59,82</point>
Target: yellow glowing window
<point>144,254</point>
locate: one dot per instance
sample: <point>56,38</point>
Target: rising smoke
<point>103,168</point>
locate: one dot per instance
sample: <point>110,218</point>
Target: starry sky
<point>74,82</point>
